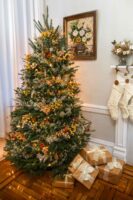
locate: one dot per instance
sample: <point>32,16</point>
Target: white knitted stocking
<point>116,93</point>
<point>130,110</point>
<point>128,93</point>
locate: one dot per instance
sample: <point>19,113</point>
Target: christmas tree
<point>47,127</point>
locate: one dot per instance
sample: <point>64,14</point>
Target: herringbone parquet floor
<point>16,185</point>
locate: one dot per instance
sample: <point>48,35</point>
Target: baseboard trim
<point>95,108</point>
<point>108,144</point>
<point>120,152</point>
<point>100,141</point>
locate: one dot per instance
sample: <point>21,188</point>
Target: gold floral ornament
<point>72,85</point>
<point>63,55</point>
<point>44,148</point>
<point>28,119</point>
<point>122,49</point>
<point>65,132</point>
<point>26,92</point>
<point>17,136</point>
<point>47,108</point>
<point>27,61</point>
<point>46,33</point>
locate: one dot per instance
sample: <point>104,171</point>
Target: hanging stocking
<point>116,93</point>
<point>128,93</point>
<point>130,109</point>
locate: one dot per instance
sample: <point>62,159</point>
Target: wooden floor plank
<point>129,188</point>
<point>128,167</point>
<point>122,185</point>
<point>21,186</point>
<point>121,196</point>
<point>99,193</point>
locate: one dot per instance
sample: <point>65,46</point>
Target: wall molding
<point>109,145</point>
<point>95,108</point>
<point>100,141</point>
<point>120,152</point>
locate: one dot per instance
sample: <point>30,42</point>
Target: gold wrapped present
<point>112,171</point>
<point>96,155</point>
<point>64,182</point>
<point>75,163</point>
<point>86,174</point>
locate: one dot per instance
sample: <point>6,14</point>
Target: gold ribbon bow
<point>86,170</point>
<point>97,153</point>
<point>113,164</point>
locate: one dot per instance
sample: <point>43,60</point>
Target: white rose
<point>84,39</point>
<point>88,35</point>
<point>124,52</point>
<point>75,33</point>
<point>81,33</point>
<point>127,52</point>
<point>118,50</point>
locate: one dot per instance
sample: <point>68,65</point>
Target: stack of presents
<point>92,161</point>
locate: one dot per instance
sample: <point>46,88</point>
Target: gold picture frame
<point>80,32</point>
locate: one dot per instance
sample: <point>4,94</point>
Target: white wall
<point>114,21</point>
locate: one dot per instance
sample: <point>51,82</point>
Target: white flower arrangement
<point>80,32</point>
<point>123,48</point>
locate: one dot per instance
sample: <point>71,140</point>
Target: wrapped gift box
<point>112,171</point>
<point>85,174</point>
<point>96,155</point>
<point>75,163</point>
<point>64,182</point>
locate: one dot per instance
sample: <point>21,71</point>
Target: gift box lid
<point>75,163</point>
<point>86,174</point>
<point>113,167</point>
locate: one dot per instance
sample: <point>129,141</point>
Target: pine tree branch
<point>31,43</point>
<point>40,25</point>
<point>56,30</point>
<point>51,24</point>
<point>45,22</point>
<point>37,26</point>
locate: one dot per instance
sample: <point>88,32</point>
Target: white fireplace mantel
<point>121,66</point>
<point>120,147</point>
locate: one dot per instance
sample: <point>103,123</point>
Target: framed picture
<point>80,31</point>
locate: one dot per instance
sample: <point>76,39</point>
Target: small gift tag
<point>112,171</point>
<point>75,163</point>
<point>86,174</point>
<point>96,155</point>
